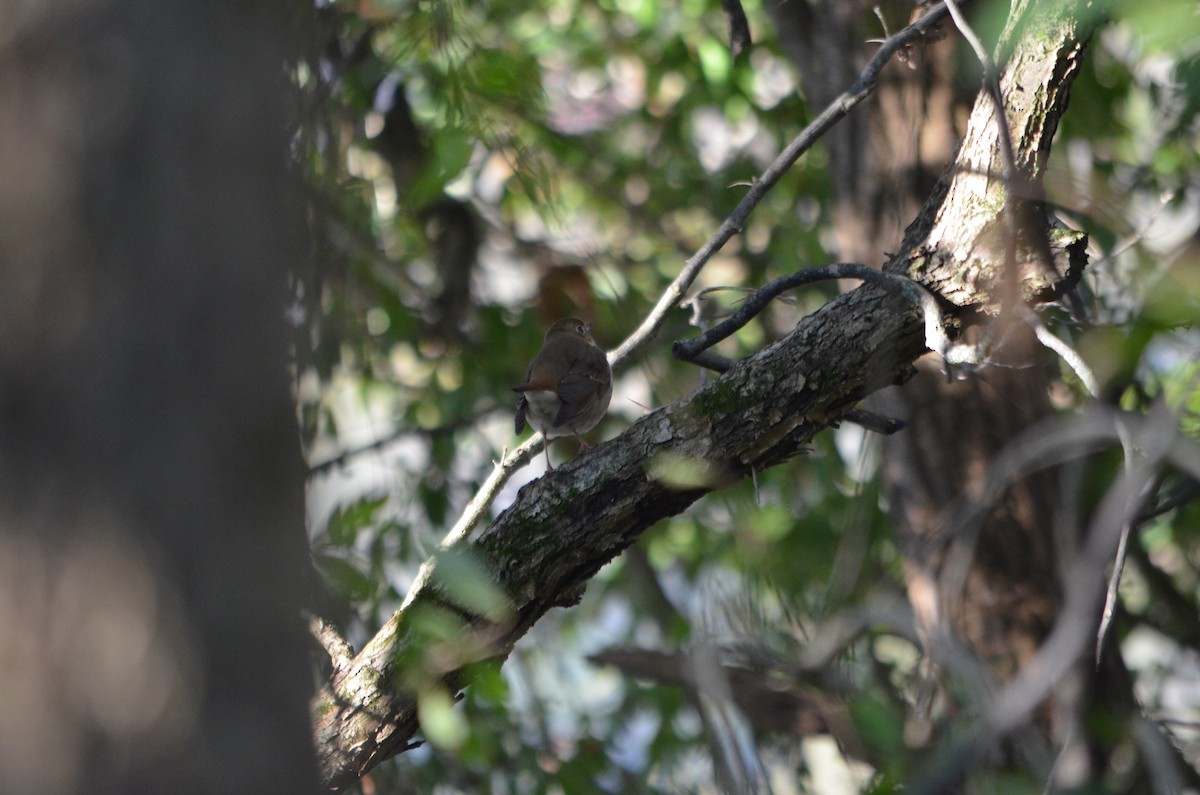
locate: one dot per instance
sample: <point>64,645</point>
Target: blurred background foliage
<point>477,170</point>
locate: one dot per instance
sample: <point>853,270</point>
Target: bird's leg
<point>583,445</point>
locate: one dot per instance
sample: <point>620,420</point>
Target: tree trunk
<point>151,523</point>
<point>1004,605</point>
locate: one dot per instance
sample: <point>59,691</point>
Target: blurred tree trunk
<point>151,487</point>
<point>889,151</point>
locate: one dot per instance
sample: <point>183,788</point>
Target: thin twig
<point>1065,351</point>
<point>1114,579</point>
<point>645,333</point>
<point>734,224</point>
<point>1179,495</point>
<point>399,433</point>
<point>486,494</point>
<point>1110,596</point>
<point>877,423</point>
<point>739,28</point>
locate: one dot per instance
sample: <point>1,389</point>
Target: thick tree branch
<point>764,410</point>
<point>566,525</point>
<point>962,227</point>
<point>936,338</point>
<point>648,329</point>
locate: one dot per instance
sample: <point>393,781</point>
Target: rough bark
<point>963,224</point>
<point>1010,597</point>
<point>565,526</point>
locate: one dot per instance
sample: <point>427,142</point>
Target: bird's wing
<point>583,384</point>
<point>543,370</point>
<point>522,404</point>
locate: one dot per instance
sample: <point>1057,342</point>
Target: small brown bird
<point>568,384</point>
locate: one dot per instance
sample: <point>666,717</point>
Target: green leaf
<point>442,724</point>
<point>1164,26</point>
<point>469,585</point>
<point>344,577</point>
<point>716,62</point>
<point>880,727</point>
<point>450,151</point>
<point>347,521</point>
<point>506,76</point>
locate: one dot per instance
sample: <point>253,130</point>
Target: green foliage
<point>880,727</point>
<point>564,157</point>
<point>466,584</point>
<point>348,519</point>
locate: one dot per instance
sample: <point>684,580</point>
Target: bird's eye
<point>582,329</point>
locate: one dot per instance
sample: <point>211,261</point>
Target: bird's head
<point>574,327</point>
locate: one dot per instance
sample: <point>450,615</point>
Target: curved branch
<point>936,338</point>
